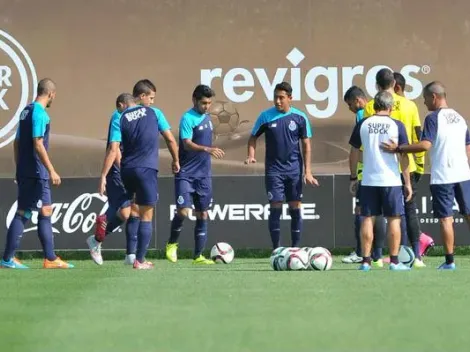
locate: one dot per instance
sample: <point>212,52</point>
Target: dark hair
<point>384,78</point>
<point>399,80</point>
<point>45,86</point>
<point>124,98</point>
<point>144,86</point>
<point>353,93</point>
<point>285,87</point>
<point>203,91</point>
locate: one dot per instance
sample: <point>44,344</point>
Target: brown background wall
<point>95,50</point>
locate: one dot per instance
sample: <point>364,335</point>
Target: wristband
<point>352,178</point>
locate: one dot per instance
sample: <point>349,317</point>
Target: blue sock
<point>176,227</point>
<point>404,235</point>
<point>274,224</point>
<point>200,236</point>
<point>46,236</point>
<point>357,234</point>
<point>295,226</point>
<point>143,240</point>
<point>132,227</point>
<point>14,235</point>
<point>114,221</point>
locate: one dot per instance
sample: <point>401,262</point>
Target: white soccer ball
<point>296,260</point>
<point>406,256</point>
<point>318,250</point>
<point>222,252</point>
<point>277,262</point>
<point>321,261</point>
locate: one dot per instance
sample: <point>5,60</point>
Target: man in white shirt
<point>447,137</point>
<point>382,187</point>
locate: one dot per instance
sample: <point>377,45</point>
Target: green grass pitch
<point>243,306</point>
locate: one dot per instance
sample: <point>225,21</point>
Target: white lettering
<point>324,85</point>
<point>5,74</point>
<point>136,114</point>
<point>3,104</point>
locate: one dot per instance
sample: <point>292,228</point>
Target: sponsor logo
<point>244,212</point>
<point>238,84</point>
<point>17,73</point>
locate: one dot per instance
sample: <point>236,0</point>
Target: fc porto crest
<point>292,125</point>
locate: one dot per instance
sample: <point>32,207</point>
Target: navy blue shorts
<point>280,187</point>
<point>193,191</point>
<point>443,199</point>
<point>142,183</point>
<point>33,193</point>
<point>386,201</point>
<point>116,192</point>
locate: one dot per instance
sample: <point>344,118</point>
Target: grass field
<point>244,306</point>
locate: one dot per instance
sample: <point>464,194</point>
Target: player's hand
<point>408,192</point>
<point>55,178</point>
<point>389,147</point>
<point>250,160</point>
<point>175,166</point>
<point>102,186</point>
<point>216,153</point>
<point>353,187</point>
<point>310,180</point>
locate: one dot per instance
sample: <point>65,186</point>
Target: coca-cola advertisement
<point>75,204</point>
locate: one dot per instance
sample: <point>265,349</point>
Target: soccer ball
<point>222,252</point>
<point>406,256</point>
<point>296,260</point>
<point>225,119</point>
<point>277,262</point>
<point>280,256</point>
<point>318,250</point>
<point>321,262</point>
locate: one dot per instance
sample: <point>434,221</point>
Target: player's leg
<point>393,208</point>
<point>132,227</point>
<point>26,201</point>
<point>46,236</point>
<point>380,233</point>
<point>202,202</point>
<point>183,199</point>
<point>275,190</point>
<point>117,213</point>
<point>462,196</point>
<point>370,208</point>
<point>412,222</point>
<point>146,197</point>
<point>425,241</point>
<point>356,256</point>
<point>293,190</point>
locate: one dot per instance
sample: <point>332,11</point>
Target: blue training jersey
<point>283,133</point>
<point>198,128</point>
<point>137,132</point>
<point>34,123</point>
<point>113,123</point>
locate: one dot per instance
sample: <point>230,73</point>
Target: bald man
<point>446,136</point>
<point>34,171</point>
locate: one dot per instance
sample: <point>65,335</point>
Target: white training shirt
<point>381,169</point>
<point>447,130</point>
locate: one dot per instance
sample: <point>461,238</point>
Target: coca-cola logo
<point>76,216</point>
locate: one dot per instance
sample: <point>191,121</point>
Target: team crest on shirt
<point>39,204</point>
<point>292,126</point>
<point>180,200</point>
<point>270,196</point>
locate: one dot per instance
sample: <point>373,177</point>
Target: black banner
<point>240,210</point>
<point>75,208</point>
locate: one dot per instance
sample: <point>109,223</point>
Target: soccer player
<point>356,100</point>
<point>405,111</point>
<point>117,197</point>
<point>446,136</point>
<point>382,187</point>
<point>425,241</point>
<point>193,183</point>
<point>286,165</point>
<point>34,169</point>
<point>137,133</point>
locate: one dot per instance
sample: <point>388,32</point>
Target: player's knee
<point>201,215</point>
<point>183,212</point>
<point>135,211</point>
<point>46,210</point>
<point>146,213</point>
<point>125,213</point>
<point>276,205</point>
<point>295,204</point>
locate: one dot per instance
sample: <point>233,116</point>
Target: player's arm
<point>416,135</point>
<point>165,131</point>
<point>16,145</point>
<point>186,134</point>
<point>40,121</point>
<point>112,152</point>
<point>305,132</point>
<point>258,130</point>
<point>355,155</point>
